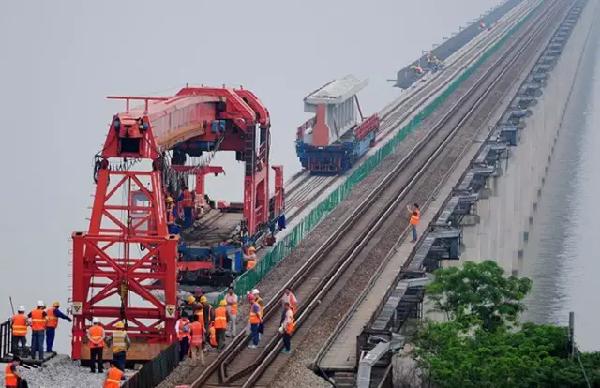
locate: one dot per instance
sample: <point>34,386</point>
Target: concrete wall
<point>506,217</point>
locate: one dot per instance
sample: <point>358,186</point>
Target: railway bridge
<point>448,143</point>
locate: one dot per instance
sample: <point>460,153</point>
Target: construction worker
<point>95,336</point>
<point>120,344</point>
<point>12,378</point>
<point>250,258</point>
<point>255,320</point>
<point>197,339</point>
<point>189,306</point>
<point>221,321</point>
<point>232,306</point>
<point>173,227</point>
<point>182,329</point>
<point>19,331</point>
<point>38,328</point>
<point>54,314</point>
<point>207,313</point>
<point>415,217</point>
<point>261,303</point>
<point>187,202</point>
<point>212,335</point>
<point>287,328</point>
<point>281,222</point>
<point>288,298</point>
<point>114,376</point>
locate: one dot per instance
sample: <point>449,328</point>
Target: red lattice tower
<point>124,267</point>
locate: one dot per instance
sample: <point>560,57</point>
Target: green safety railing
<point>247,281</point>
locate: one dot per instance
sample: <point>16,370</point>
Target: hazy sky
<point>59,59</point>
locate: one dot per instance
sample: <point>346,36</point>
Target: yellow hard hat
<point>222,302</point>
<point>169,199</point>
<point>203,299</point>
<point>55,304</point>
<point>119,325</point>
<point>191,299</point>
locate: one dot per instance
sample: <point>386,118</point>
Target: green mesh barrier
<point>247,281</point>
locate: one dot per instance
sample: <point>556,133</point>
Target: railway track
<point>409,266</point>
<point>303,187</point>
<point>239,366</point>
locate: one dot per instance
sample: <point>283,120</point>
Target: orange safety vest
<point>212,333</point>
<point>52,319</point>
<point>10,379</point>
<point>38,321</point>
<point>183,322</point>
<point>197,332</point>
<point>250,264</point>
<point>232,303</point>
<point>96,333</point>
<point>19,325</point>
<point>221,317</point>
<point>187,199</point>
<point>113,378</point>
<point>255,318</point>
<point>291,326</point>
<point>414,219</point>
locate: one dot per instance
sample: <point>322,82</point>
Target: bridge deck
<point>341,355</point>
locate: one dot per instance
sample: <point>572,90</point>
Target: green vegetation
<point>483,345</point>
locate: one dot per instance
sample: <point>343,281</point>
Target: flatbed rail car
<point>338,135</point>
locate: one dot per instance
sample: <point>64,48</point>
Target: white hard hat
<point>96,320</point>
<point>21,309</point>
<point>40,303</point>
<point>255,291</point>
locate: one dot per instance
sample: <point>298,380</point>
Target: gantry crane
<point>125,265</point>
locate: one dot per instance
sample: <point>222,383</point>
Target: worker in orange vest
<point>207,314</point>
<point>182,329</point>
<point>53,315</point>
<point>38,328</point>
<point>289,298</point>
<point>19,331</point>
<point>95,337</point>
<point>186,200</point>
<point>287,328</point>
<point>415,217</point>
<point>250,258</point>
<point>12,378</point>
<point>255,320</point>
<point>114,376</point>
<point>261,303</point>
<point>232,306</point>
<point>221,321</point>
<point>197,338</point>
<point>212,335</point>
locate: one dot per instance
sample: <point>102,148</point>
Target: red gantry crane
<point>125,265</point>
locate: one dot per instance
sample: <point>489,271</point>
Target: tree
<point>482,344</point>
<point>479,293</point>
<point>535,356</point>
